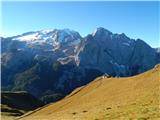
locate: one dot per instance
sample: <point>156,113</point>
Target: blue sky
<point>135,19</point>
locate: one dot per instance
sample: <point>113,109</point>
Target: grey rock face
<point>116,54</point>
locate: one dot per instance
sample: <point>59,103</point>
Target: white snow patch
<point>126,44</point>
<point>30,37</point>
<point>94,32</point>
<point>46,31</point>
<point>65,50</point>
<point>76,42</point>
<point>65,60</point>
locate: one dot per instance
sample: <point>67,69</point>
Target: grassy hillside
<point>14,104</point>
<point>130,98</point>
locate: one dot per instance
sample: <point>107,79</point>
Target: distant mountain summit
<point>116,54</point>
<point>51,63</point>
<point>49,36</point>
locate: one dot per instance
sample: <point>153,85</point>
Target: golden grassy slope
<point>130,98</point>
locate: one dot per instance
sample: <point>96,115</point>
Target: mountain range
<point>50,64</point>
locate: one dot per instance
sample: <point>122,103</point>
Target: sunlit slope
<point>109,98</point>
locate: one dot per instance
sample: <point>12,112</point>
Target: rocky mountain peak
<point>101,31</point>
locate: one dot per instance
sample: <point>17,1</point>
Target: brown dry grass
<point>130,98</point>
